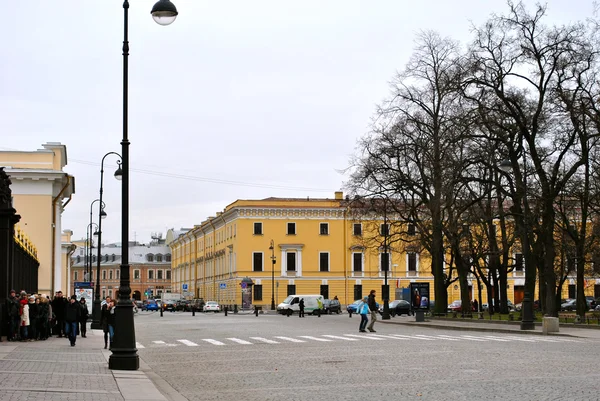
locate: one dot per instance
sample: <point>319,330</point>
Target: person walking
<point>59,305</point>
<point>301,307</point>
<point>72,315</point>
<point>84,317</point>
<point>475,305</point>
<point>24,315</point>
<point>12,307</point>
<point>373,308</point>
<point>363,310</point>
<point>110,311</point>
<point>104,319</point>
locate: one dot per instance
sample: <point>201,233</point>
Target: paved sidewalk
<point>592,332</point>
<point>52,370</point>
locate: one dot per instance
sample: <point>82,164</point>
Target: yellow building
<point>320,246</point>
<point>41,190</point>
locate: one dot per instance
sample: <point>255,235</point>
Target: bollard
<point>161,311</point>
<point>193,311</point>
<point>235,310</point>
<point>318,312</point>
<point>256,311</point>
<point>225,311</point>
<point>349,313</point>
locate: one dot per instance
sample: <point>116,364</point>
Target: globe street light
<point>88,252</point>
<point>97,307</point>
<point>124,353</point>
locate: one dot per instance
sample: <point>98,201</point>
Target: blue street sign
<point>222,286</point>
<point>184,286</point>
<point>243,284</point>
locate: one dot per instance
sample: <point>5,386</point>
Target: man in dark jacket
<point>12,307</point>
<point>58,308</point>
<point>373,308</point>
<point>84,317</point>
<point>72,314</point>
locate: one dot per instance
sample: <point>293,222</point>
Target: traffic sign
<point>222,286</point>
<point>184,286</point>
<point>243,284</point>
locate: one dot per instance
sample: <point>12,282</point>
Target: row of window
<point>160,274</point>
<point>257,291</point>
<point>384,229</point>
<point>158,257</point>
<point>324,262</point>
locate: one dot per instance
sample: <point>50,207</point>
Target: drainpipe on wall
<point>69,253</point>
<point>54,201</point>
<point>214,276</point>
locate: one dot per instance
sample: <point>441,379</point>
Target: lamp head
<point>102,214</point>
<point>164,12</point>
<point>505,165</point>
<point>119,172</point>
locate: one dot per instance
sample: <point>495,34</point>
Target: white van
<point>312,303</point>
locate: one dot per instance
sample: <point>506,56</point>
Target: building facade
<point>41,190</point>
<point>319,246</point>
<point>150,269</point>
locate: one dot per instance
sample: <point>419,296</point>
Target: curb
<point>482,329</point>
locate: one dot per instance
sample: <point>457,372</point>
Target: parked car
<point>511,307</point>
<point>197,304</point>
<point>332,306</point>
<point>352,307</point>
<point>183,305</point>
<point>169,305</point>
<point>151,305</point>
<point>455,306</point>
<point>569,306</point>
<point>400,307</point>
<point>212,306</point>
<point>591,302</point>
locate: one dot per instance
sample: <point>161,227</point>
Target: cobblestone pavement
<point>271,357</point>
<point>52,370</point>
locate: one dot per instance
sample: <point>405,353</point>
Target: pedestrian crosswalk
<point>275,340</point>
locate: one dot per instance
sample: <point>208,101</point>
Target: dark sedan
<point>332,306</point>
<point>169,305</point>
<point>400,307</point>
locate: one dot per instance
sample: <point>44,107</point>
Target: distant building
<point>41,190</point>
<point>150,268</point>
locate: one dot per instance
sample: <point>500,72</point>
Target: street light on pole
<point>88,256</point>
<point>101,215</point>
<point>385,265</point>
<point>124,353</point>
<point>97,306</point>
<point>527,317</point>
<point>272,248</point>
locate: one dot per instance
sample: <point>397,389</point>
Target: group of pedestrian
<point>107,319</point>
<point>34,317</point>
<point>368,307</point>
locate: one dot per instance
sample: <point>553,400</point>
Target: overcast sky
<point>235,100</point>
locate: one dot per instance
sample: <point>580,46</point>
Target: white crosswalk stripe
<point>389,336</point>
<point>470,338</point>
<point>188,343</point>
<point>138,345</point>
<point>264,340</point>
<point>339,337</point>
<point>365,336</point>
<point>237,340</point>
<point>424,337</point>
<point>444,337</point>
<point>315,338</point>
<point>413,337</point>
<point>290,339</point>
<point>214,342</point>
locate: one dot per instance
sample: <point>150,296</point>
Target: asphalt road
<point>272,357</point>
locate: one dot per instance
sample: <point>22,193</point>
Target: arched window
<point>150,257</point>
<point>159,257</point>
<point>113,257</point>
<point>168,257</point>
<point>110,274</point>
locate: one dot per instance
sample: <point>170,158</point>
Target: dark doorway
<point>291,289</point>
<point>572,291</point>
<point>357,292</point>
<point>325,291</point>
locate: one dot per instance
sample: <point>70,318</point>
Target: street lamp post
<point>385,265</point>
<point>88,255</point>
<point>97,306</point>
<point>101,215</point>
<point>527,319</point>
<point>124,352</point>
<point>272,248</point>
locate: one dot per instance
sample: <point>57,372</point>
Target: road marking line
<point>502,339</point>
<point>315,338</point>
<point>138,345</point>
<point>265,340</point>
<point>471,338</point>
<point>444,337</point>
<point>546,340</point>
<point>237,340</point>
<point>290,339</point>
<point>214,342</point>
<point>527,340</point>
<point>188,343</point>
<point>339,337</point>
<point>158,342</point>
<point>365,336</point>
<point>405,337</point>
<point>388,336</point>
<point>424,337</point>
